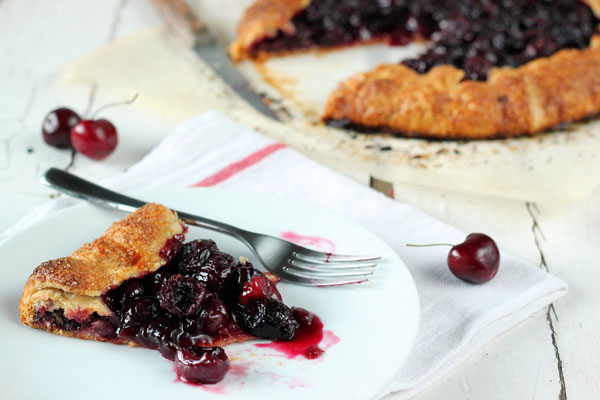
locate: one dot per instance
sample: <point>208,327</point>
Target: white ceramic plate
<point>376,323</point>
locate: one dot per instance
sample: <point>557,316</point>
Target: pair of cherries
<point>94,138</point>
<point>476,260</point>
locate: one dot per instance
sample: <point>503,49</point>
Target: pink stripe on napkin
<point>238,166</point>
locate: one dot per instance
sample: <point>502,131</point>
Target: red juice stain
<point>313,352</point>
<point>305,343</point>
<point>341,284</point>
<point>329,339</point>
<point>315,242</point>
<point>297,382</point>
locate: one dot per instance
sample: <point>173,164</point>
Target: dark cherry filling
<point>201,299</point>
<point>474,35</point>
<point>94,324</point>
<point>330,23</point>
<point>170,248</point>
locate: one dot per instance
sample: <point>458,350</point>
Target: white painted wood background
<point>553,354</point>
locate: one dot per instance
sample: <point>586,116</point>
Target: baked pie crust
<point>130,248</point>
<point>264,19</point>
<point>442,104</point>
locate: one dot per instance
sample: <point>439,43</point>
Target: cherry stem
<point>430,245</point>
<point>118,103</point>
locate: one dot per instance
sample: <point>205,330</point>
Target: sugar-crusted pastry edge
<point>441,105</point>
<point>263,19</point>
<point>129,248</point>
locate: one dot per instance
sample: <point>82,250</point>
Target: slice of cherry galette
<point>139,284</point>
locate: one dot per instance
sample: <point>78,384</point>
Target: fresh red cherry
<point>94,138</point>
<point>475,260</point>
<point>56,129</point>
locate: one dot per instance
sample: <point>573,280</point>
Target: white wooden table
<point>553,354</point>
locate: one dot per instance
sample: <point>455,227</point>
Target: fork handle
<point>75,186</point>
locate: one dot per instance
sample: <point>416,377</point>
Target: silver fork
<point>286,260</point>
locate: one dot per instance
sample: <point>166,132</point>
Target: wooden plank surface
<point>554,354</point>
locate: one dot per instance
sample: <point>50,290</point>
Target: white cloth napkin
<point>211,150</point>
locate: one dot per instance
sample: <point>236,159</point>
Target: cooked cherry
<point>240,274</point>
<point>130,332</point>
<point>56,129</point>
<point>193,255</point>
<point>215,271</point>
<point>131,289</point>
<point>203,261</point>
<point>186,336</point>
<point>193,325</point>
<point>153,282</point>
<point>139,311</point>
<point>157,331</point>
<point>268,319</point>
<point>168,350</point>
<point>259,287</point>
<point>202,365</point>
<point>475,260</point>
<point>181,296</point>
<point>214,314</point>
<point>112,299</point>
<point>302,316</point>
<point>96,139</point>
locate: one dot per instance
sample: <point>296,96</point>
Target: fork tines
<point>327,269</point>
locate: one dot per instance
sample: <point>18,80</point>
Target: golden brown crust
<point>264,19</point>
<point>594,5</point>
<point>513,101</point>
<point>129,248</point>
